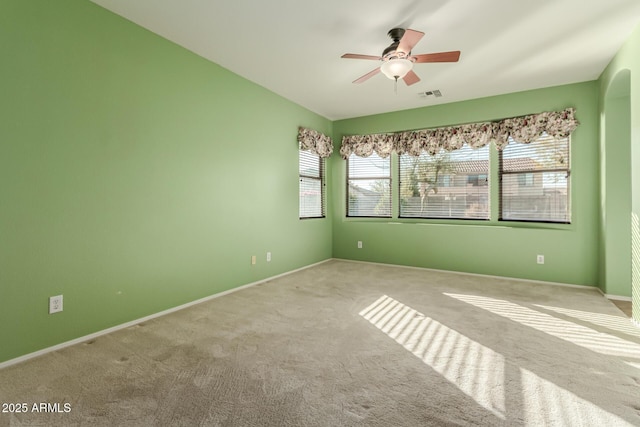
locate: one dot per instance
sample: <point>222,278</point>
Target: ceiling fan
<point>397,60</point>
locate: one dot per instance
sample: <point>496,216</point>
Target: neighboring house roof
<point>361,190</point>
<point>469,167</point>
<point>520,164</point>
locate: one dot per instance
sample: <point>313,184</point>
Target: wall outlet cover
<point>55,304</point>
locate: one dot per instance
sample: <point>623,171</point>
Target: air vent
<point>431,94</point>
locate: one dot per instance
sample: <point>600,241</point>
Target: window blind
<point>452,185</point>
<point>369,186</point>
<point>535,181</point>
<point>312,185</point>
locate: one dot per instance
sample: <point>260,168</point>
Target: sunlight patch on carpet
<point>617,323</point>
<point>582,336</point>
<point>554,405</point>
<point>473,368</point>
<point>479,371</point>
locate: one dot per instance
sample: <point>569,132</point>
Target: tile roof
<point>482,166</point>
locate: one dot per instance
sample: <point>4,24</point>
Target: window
<point>444,172</point>
<point>450,184</point>
<point>534,181</point>
<point>369,186</point>
<point>312,185</point>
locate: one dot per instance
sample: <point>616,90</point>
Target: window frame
<point>447,179</point>
<point>567,170</point>
<point>370,178</point>
<point>320,177</point>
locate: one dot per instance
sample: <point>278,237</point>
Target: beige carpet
<point>624,306</point>
<point>343,344</point>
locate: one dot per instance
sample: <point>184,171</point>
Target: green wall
<point>135,176</point>
<point>622,72</point>
<point>571,251</point>
<point>615,175</point>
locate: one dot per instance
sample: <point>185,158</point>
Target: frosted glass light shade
<point>396,68</point>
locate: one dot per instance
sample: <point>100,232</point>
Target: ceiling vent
<point>430,94</point>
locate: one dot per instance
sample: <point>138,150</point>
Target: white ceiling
<point>293,47</point>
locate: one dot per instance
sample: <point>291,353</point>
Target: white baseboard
<point>618,297</point>
<point>94,335</point>
<point>464,273</point>
<point>541,282</point>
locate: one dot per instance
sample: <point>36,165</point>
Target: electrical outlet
<point>253,260</point>
<point>540,259</point>
<point>268,256</point>
<point>359,244</point>
<point>55,304</point>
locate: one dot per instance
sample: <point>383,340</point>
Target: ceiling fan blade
<point>368,75</point>
<point>411,78</point>
<point>409,40</point>
<point>452,56</point>
<point>358,56</point>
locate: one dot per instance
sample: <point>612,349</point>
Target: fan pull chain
<point>395,86</point>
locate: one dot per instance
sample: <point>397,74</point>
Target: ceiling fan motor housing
<point>390,52</point>
<point>396,34</point>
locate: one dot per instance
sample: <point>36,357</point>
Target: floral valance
<point>315,142</point>
<point>558,124</point>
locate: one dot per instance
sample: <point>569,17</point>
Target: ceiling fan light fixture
<point>396,68</point>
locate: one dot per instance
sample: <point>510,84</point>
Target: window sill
<point>433,222</point>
